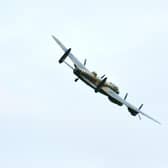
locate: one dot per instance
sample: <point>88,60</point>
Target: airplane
<point>99,84</point>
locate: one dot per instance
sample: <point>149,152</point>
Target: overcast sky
<point>47,120</point>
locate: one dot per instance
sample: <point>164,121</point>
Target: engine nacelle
<point>115,101</point>
<point>133,112</point>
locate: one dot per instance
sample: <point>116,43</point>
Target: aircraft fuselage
<point>91,79</point>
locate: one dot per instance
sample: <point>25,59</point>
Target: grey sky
<point>46,119</point>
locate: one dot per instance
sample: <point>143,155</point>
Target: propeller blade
<point>126,96</point>
<point>85,62</point>
<point>76,79</point>
<point>139,117</point>
<point>140,107</point>
<point>102,76</point>
<point>99,86</point>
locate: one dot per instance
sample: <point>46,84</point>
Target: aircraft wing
<point>131,107</point>
<point>75,61</point>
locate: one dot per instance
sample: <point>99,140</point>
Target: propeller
<point>103,76</point>
<point>126,95</point>
<point>139,117</point>
<point>85,61</point>
<point>140,107</point>
<point>76,80</point>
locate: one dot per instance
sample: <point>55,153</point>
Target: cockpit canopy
<point>94,74</point>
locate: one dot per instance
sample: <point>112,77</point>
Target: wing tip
<point>54,37</point>
<point>151,118</point>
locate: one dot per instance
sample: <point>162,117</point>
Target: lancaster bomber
<point>99,84</point>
